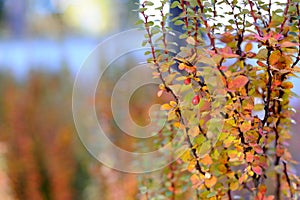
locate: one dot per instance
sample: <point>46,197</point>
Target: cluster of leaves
<point>230,96</point>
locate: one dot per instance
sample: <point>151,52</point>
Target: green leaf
<point>149,3</point>
<point>150,23</point>
<point>178,22</point>
<point>142,9</point>
<point>262,54</point>
<point>144,43</point>
<point>175,4</point>
<point>139,22</point>
<point>204,148</point>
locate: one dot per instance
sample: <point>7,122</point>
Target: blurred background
<point>42,46</point>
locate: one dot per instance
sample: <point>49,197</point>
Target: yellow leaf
<point>248,103</point>
<point>191,165</point>
<point>232,154</point>
<point>173,103</point>
<point>172,115</point>
<point>165,107</point>
<point>230,174</point>
<point>258,107</point>
<point>246,126</point>
<point>234,185</point>
<point>222,169</point>
<point>186,156</point>
<point>287,85</point>
<point>210,182</point>
<point>181,66</point>
<point>251,173</point>
<point>177,124</point>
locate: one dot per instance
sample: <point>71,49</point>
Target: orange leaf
<point>248,47</point>
<point>238,82</point>
<point>249,157</point>
<point>206,160</point>
<point>274,57</point>
<point>289,44</point>
<point>196,181</point>
<point>246,126</point>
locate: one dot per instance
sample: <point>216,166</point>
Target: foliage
<point>230,97</point>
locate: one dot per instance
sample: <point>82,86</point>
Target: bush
<point>231,92</point>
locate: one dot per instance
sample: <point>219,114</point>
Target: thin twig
<point>254,18</point>
<point>210,36</point>
<point>285,14</point>
<point>298,14</point>
<point>288,178</point>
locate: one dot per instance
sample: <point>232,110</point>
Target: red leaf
<point>257,170</point>
<point>261,64</point>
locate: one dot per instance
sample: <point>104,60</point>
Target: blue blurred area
<point>19,56</point>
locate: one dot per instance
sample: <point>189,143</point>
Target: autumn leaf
<point>227,37</point>
<point>257,170</point>
<point>196,180</point>
<point>206,160</point>
<point>274,57</point>
<point>261,64</point>
<point>249,157</point>
<point>234,185</point>
<point>288,44</point>
<point>238,82</point>
<point>226,52</point>
<point>194,131</point>
<point>248,47</point>
<point>210,182</point>
<point>287,85</point>
<point>246,126</point>
<point>166,106</point>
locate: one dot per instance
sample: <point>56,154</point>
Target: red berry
<point>196,100</point>
<point>187,81</point>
